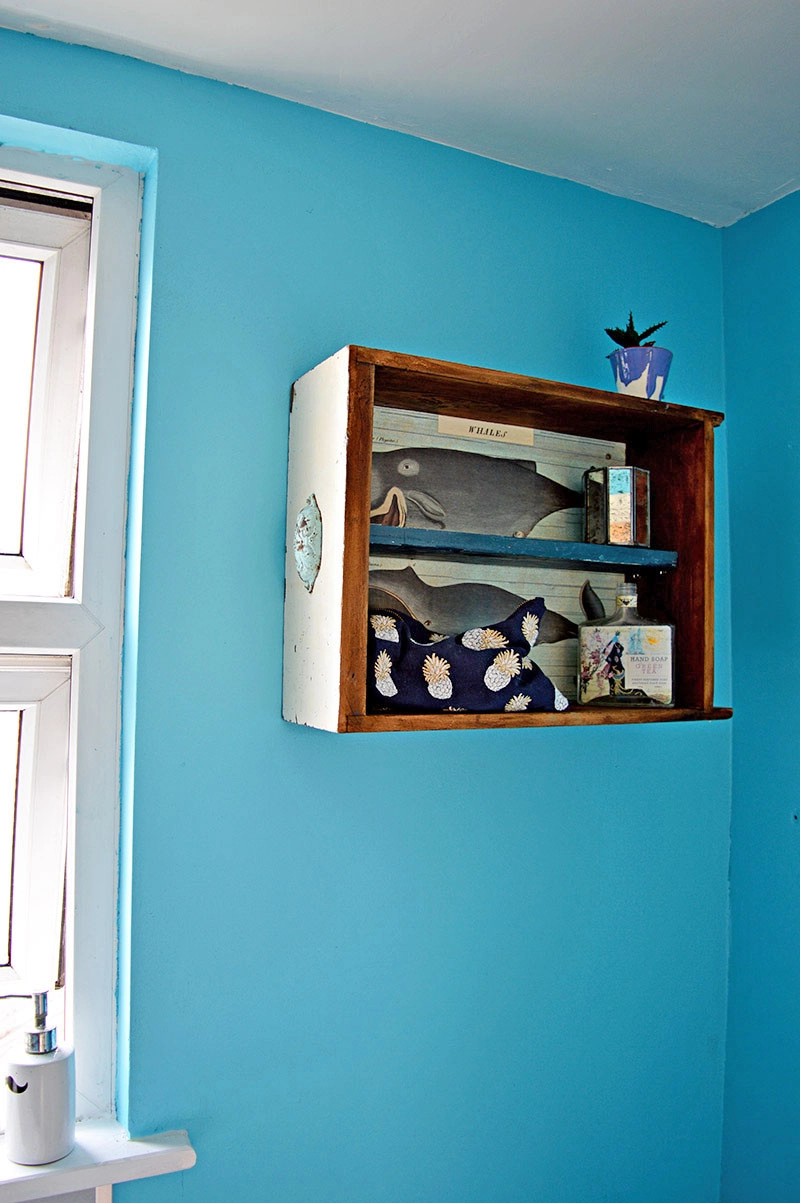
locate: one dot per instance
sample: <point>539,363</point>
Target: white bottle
<point>39,1088</point>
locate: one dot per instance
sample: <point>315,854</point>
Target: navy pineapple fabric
<point>484,669</point>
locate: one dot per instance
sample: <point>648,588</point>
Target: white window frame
<point>87,626</point>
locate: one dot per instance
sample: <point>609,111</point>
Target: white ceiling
<point>690,105</point>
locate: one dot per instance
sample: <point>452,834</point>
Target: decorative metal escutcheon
<point>308,542</point>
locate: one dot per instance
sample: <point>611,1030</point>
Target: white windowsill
<point>103,1154</point>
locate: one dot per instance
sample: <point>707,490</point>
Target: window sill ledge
<point>103,1154</point>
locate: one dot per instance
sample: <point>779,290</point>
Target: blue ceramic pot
<point>641,371</point>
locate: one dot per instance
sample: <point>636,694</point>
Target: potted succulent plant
<point>640,367</point>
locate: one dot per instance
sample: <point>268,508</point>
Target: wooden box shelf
<point>331,443</point>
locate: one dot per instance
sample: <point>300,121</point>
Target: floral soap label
<point>626,665</point>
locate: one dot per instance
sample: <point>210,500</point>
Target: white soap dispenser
<point>39,1088</point>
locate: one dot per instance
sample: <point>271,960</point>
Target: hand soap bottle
<point>626,660</point>
<point>39,1088</point>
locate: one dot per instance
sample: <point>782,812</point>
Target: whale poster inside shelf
<point>458,482</point>
<point>425,478</point>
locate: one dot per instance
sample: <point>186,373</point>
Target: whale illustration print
<point>446,489</point>
<point>451,609</point>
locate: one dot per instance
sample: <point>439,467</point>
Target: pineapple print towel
<point>488,668</point>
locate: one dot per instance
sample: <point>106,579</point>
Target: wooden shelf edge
<point>414,541</point>
<point>441,369</point>
<point>576,716</point>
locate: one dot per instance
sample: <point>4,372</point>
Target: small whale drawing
<point>445,489</point>
<point>451,609</point>
<point>13,1087</point>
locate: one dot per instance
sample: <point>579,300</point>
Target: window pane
<point>19,301</point>
<point>9,759</point>
<point>15,1020</point>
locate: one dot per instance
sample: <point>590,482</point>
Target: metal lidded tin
<point>617,506</point>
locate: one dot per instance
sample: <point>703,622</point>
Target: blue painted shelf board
<point>417,542</point>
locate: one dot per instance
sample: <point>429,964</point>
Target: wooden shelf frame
<point>674,443</point>
<point>576,716</point>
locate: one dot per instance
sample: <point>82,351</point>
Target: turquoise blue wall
<point>467,967</point>
<point>762,266</point>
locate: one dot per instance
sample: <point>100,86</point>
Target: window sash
<point>10,725</point>
<point>20,290</point>
<point>39,689</point>
<point>61,244</point>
